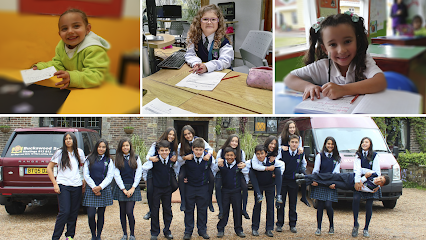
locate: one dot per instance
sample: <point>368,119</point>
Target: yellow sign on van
<point>17,149</point>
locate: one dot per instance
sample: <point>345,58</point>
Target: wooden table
<point>106,99</point>
<point>231,96</point>
<point>400,40</point>
<point>407,60</point>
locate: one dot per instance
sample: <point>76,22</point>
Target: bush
<point>139,147</point>
<point>404,159</point>
<point>248,144</point>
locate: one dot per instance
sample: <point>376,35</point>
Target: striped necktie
<point>206,43</point>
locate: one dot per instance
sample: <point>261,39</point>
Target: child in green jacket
<point>80,57</point>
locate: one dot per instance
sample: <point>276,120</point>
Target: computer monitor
<point>151,11</point>
<point>228,10</point>
<point>172,11</point>
<point>160,12</point>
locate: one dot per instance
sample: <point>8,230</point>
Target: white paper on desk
<point>390,102</point>
<point>205,81</point>
<point>31,76</point>
<point>156,106</point>
<point>324,105</point>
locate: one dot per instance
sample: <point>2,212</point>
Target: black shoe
<point>220,215</point>
<point>259,198</point>
<point>305,201</point>
<point>241,235</point>
<point>269,233</point>
<point>279,229</point>
<point>300,181</point>
<point>186,236</point>
<point>147,215</point>
<point>153,238</point>
<point>279,201</point>
<point>255,233</point>
<point>299,175</point>
<point>205,236</point>
<point>293,229</point>
<point>168,236</point>
<point>182,207</point>
<point>220,234</point>
<point>355,231</point>
<point>245,214</point>
<point>211,208</point>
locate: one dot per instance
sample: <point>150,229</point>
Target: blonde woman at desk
<point>209,46</point>
<point>80,57</point>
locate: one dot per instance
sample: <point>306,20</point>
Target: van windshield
<point>348,139</point>
<point>33,144</point>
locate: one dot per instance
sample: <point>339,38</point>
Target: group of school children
<point>98,171</point>
<point>275,166</point>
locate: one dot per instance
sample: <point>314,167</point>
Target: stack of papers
<point>156,106</point>
<point>31,76</point>
<point>205,81</point>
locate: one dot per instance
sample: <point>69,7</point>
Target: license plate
<point>35,170</point>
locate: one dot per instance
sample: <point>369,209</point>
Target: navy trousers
<point>231,196</point>
<point>69,204</point>
<point>269,194</point>
<point>290,188</point>
<point>165,195</point>
<point>196,196</point>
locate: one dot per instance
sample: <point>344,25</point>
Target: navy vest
<point>127,173</point>
<point>327,164</point>
<point>197,173</point>
<point>370,181</point>
<point>203,53</point>
<point>364,161</point>
<point>231,178</point>
<point>99,170</point>
<point>292,164</point>
<point>264,177</point>
<point>161,173</point>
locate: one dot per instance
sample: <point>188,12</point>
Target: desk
<point>168,40</point>
<point>400,40</point>
<point>407,60</point>
<point>231,96</point>
<point>106,99</point>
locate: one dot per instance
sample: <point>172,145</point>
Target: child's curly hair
<point>194,33</point>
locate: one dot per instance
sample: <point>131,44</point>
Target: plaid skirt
<point>91,200</point>
<point>119,195</point>
<point>368,195</point>
<point>324,193</point>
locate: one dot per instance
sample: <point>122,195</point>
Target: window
<point>86,143</point>
<point>308,140</point>
<point>94,123</point>
<point>294,17</point>
<point>267,125</point>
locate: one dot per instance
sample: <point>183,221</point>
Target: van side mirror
<point>112,151</point>
<point>395,151</point>
<point>309,156</point>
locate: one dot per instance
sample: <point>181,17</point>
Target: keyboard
<point>175,61</point>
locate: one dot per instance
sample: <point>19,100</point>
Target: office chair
<point>254,49</point>
<point>186,26</point>
<point>397,81</point>
<point>176,28</point>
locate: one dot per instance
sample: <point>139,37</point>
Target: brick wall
<point>414,146</point>
<point>113,129</point>
<point>15,122</point>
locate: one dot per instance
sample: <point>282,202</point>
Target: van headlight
<point>396,172</point>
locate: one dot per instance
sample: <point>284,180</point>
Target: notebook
<point>386,102</point>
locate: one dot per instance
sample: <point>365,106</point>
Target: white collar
<point>364,152</point>
<point>210,37</point>
<point>337,73</point>
<point>162,159</point>
<point>200,158</point>
<point>326,154</point>
<point>232,164</point>
<point>292,152</point>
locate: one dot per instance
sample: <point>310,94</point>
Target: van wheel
<point>15,208</point>
<point>389,204</point>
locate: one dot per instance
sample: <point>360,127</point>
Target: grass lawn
<point>288,41</point>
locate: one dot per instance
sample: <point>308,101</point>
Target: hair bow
<point>355,18</point>
<point>317,26</point>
